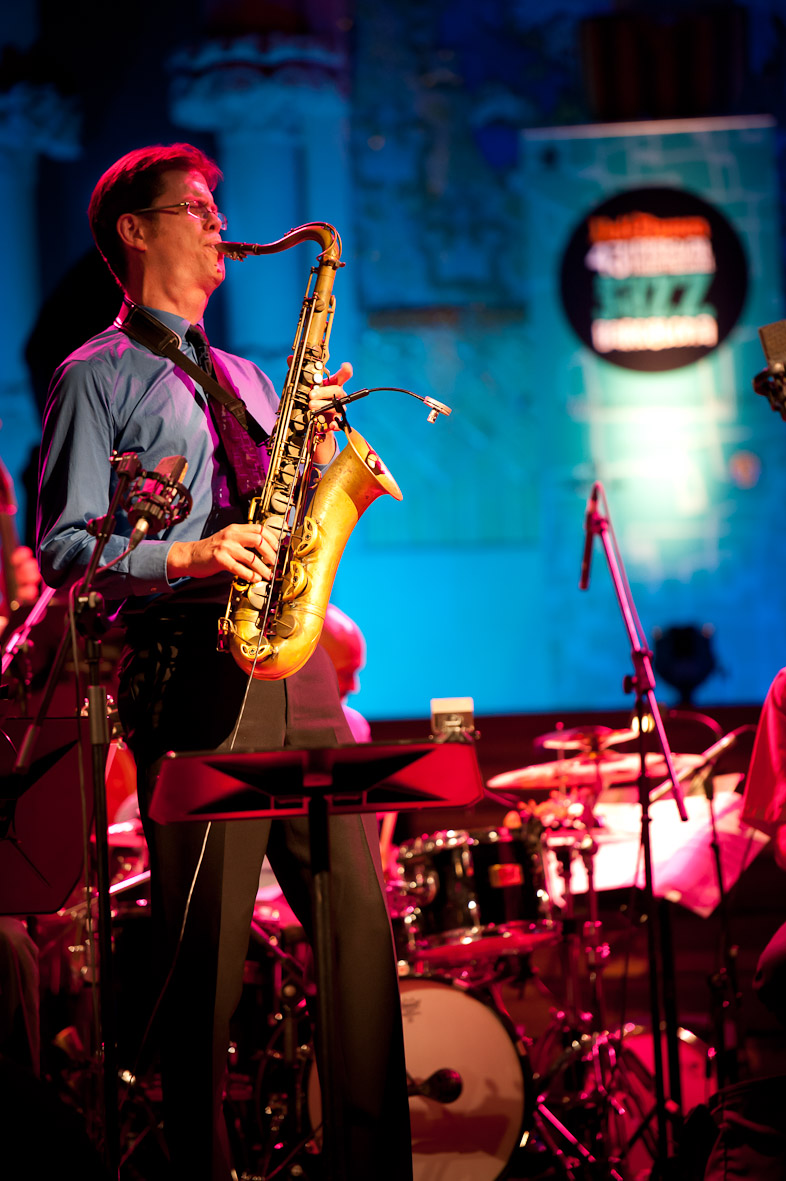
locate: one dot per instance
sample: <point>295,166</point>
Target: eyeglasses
<point>197,209</point>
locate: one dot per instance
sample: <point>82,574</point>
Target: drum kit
<point>474,911</point>
<point>470,909</point>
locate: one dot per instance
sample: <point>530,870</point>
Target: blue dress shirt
<point>113,394</point>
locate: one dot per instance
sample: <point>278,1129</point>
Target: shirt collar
<point>173,321</point>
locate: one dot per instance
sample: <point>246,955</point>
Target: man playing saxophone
<point>156,224</point>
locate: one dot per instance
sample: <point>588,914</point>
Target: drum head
<point>480,1091</point>
<point>471,1137</point>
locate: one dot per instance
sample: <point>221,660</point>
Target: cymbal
<point>587,738</point>
<point>463,946</point>
<point>606,768</point>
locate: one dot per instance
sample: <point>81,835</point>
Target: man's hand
<point>320,396</point>
<point>246,551</point>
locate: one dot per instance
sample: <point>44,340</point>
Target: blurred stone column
<point>277,108</point>
<point>34,120</point>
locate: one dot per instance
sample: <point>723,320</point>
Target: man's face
<point>180,245</point>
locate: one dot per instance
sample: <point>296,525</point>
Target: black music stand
<point>369,777</point>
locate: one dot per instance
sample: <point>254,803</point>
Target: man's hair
<point>134,182</point>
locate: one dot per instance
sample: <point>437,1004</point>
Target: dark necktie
<point>242,455</point>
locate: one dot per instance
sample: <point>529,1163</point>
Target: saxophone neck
<point>322,232</point>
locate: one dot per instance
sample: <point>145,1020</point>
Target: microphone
<point>151,502</point>
<point>589,536</point>
<point>443,1086</point>
<point>700,775</point>
<point>771,382</point>
<point>436,409</point>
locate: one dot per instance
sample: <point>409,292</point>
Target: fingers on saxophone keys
<point>268,543</point>
<point>342,374</point>
<point>257,554</point>
<point>253,568</point>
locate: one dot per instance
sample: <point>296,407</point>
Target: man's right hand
<point>247,551</point>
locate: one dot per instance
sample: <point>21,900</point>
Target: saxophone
<point>272,628</point>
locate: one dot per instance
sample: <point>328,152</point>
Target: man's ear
<point>133,231</point>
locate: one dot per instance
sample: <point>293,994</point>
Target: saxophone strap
<point>146,329</point>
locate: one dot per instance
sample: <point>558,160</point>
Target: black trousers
<point>177,693</point>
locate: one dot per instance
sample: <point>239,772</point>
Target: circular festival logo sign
<point>653,279</point>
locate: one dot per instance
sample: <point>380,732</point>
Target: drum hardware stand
<point>577,1030</point>
<point>724,982</point>
<point>547,1123</point>
<point>726,999</point>
<point>284,1109</point>
<point>566,844</point>
<point>572,1027</point>
<point>584,1034</point>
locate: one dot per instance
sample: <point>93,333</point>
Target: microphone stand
<point>87,608</point>
<point>642,683</point>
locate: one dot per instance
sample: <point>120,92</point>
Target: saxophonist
<point>156,224</point>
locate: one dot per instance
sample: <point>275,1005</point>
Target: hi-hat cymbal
<point>604,769</point>
<point>587,738</point>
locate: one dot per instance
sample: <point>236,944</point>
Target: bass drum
<point>469,1059</point>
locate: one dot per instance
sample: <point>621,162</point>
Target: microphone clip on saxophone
<point>435,408</point>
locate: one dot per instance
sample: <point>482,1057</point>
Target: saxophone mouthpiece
<point>237,250</point>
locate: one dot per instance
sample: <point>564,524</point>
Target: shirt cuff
<point>147,566</point>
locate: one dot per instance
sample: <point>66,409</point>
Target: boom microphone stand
<point>642,683</point>
<point>150,507</point>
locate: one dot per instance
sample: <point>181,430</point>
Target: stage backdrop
<point>644,259</point>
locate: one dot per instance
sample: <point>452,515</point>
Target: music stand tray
<point>367,777</point>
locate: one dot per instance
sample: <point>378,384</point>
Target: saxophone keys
<point>306,537</point>
<point>257,594</point>
<point>296,582</point>
<point>255,651</point>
